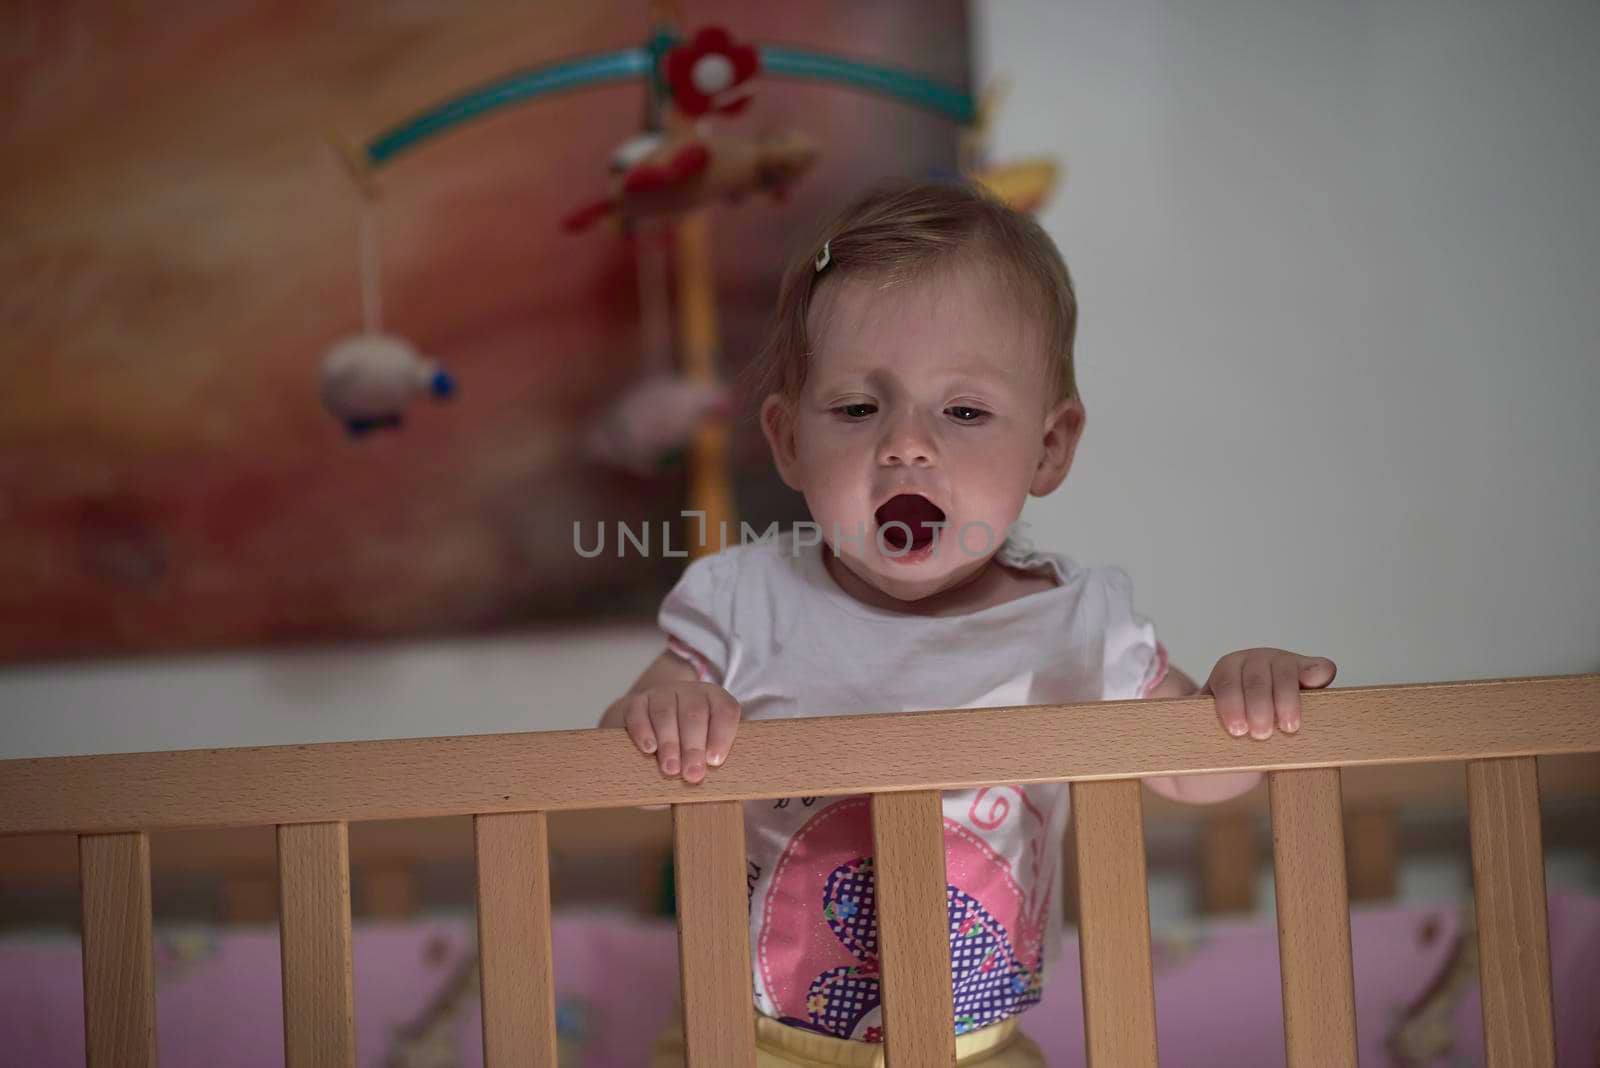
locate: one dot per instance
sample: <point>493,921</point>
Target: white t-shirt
<point>768,623</point>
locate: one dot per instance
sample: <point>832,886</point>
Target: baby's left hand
<point>1257,688</point>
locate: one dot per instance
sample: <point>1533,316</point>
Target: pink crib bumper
<point>218,998</point>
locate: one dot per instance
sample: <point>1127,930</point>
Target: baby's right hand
<point>687,725</point>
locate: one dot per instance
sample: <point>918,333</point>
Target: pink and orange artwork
<point>182,250</point>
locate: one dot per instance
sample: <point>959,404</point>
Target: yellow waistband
<point>794,1042</point>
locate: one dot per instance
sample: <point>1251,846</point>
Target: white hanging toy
<point>369,380</point>
<point>653,421</point>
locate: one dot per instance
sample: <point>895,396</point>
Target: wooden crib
<point>508,782</point>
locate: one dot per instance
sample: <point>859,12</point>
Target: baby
<point>919,387</point>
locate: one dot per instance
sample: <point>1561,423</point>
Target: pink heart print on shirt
<point>818,943</point>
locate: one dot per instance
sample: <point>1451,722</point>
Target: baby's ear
<point>1063,429</point>
<point>777,424</point>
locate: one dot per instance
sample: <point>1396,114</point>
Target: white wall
<point>556,679</point>
<point>1338,270</point>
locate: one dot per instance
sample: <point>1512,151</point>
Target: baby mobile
<point>661,180</point>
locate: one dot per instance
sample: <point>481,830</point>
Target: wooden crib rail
<point>558,770</point>
<point>508,782</point>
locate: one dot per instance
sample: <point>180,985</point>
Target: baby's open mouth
<point>919,516</point>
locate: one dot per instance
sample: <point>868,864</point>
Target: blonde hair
<point>907,230</point>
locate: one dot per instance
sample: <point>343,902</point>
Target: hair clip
<point>822,257</point>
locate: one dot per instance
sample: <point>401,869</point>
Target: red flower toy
<point>709,73</point>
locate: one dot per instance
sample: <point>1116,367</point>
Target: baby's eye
<point>965,414</point>
<point>856,411</point>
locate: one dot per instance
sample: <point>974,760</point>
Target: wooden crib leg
<point>119,1005</point>
<point>1513,927</point>
<point>314,932</point>
<point>1119,1007</point>
<point>1319,1006</point>
<point>913,929</point>
<point>519,1005</point>
<point>714,934</point>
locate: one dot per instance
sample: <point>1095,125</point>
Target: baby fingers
<point>724,724</point>
<point>1286,692</point>
<point>694,721</point>
<point>1228,688</point>
<point>662,705</point>
<point>707,721</point>
<point>689,727</point>
<point>636,721</point>
<point>1258,690</point>
<point>1256,681</point>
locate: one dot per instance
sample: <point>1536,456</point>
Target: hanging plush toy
<point>661,175</point>
<point>648,427</point>
<point>1025,184</point>
<point>658,174</point>
<point>711,73</point>
<point>369,380</point>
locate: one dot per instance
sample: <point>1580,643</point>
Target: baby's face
<point>924,404</point>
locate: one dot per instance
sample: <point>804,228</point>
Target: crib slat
<point>714,934</point>
<point>1319,1011</point>
<point>519,1005</point>
<point>119,1008</point>
<point>1119,1008</point>
<point>913,929</point>
<point>1513,928</point>
<point>314,933</point>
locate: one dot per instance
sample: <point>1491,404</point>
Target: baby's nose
<point>906,447</point>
